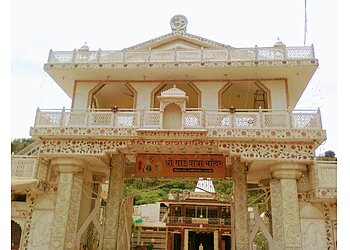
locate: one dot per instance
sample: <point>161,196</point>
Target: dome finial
<point>178,23</point>
<point>279,43</point>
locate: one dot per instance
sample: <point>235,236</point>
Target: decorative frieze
<point>27,230</point>
<point>330,225</point>
<point>270,151</point>
<point>294,152</point>
<point>323,193</point>
<point>287,134</point>
<point>167,65</point>
<point>80,147</point>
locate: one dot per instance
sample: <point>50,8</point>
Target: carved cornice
<point>287,135</point>
<point>291,152</point>
<point>169,65</point>
<point>248,151</point>
<point>287,170</point>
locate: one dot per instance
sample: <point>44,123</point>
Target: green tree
<point>19,144</point>
<point>329,153</point>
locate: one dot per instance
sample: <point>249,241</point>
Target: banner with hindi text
<point>157,165</point>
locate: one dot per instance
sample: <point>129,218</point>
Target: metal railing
<point>232,54</point>
<point>193,119</point>
<point>192,220</point>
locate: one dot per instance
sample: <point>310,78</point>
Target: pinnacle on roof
<point>205,185</point>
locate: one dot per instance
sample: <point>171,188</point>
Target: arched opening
<point>172,117</point>
<point>191,91</point>
<point>110,94</point>
<point>244,95</point>
<point>16,233</point>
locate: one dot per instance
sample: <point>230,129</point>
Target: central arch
<point>172,117</point>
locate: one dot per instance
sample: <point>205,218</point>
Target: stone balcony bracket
<point>67,165</point>
<point>287,170</point>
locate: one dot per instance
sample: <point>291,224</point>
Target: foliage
<point>19,144</point>
<point>150,190</point>
<point>261,241</point>
<point>329,155</point>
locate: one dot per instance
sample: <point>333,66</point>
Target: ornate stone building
<point>176,106</point>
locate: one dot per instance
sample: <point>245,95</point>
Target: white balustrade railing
<point>324,175</point>
<point>192,119</point>
<point>233,54</point>
<point>24,166</point>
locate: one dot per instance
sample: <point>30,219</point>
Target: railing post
<point>74,55</point>
<point>98,55</point>
<point>86,117</point>
<point>290,112</point>
<point>262,120</point>
<point>313,51</point>
<point>141,118</point>
<point>36,121</point>
<point>229,53</point>
<point>175,56</point>
<point>319,115</point>
<point>203,117</point>
<point>256,52</point>
<point>62,116</point>
<point>284,52</point>
<point>201,53</point>
<point>50,54</point>
<point>149,54</point>
<point>124,51</point>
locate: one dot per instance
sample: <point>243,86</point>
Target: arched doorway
<point>172,117</point>
<point>16,233</point>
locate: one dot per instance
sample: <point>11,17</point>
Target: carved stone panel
<point>40,230</point>
<point>65,219</point>
<point>285,214</point>
<point>241,211</point>
<point>313,234</point>
<point>115,195</point>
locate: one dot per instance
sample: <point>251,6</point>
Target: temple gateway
<point>176,106</point>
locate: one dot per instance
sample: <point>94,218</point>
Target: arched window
<point>244,95</point>
<point>110,94</point>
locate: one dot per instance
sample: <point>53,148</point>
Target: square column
<point>115,197</point>
<point>66,214</point>
<point>240,234</point>
<point>285,206</point>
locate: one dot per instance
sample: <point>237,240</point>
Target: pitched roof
<point>178,35</point>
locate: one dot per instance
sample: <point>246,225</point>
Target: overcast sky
<point>38,26</point>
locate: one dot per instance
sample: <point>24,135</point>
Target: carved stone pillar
<point>115,196</point>
<point>66,214</point>
<point>240,234</point>
<point>285,206</point>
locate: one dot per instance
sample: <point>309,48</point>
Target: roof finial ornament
<point>178,23</point>
<point>279,43</point>
<point>85,47</point>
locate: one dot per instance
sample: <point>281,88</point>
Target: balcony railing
<point>29,167</point>
<point>192,119</point>
<point>232,54</point>
<point>197,221</point>
<point>24,167</point>
<point>324,175</point>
